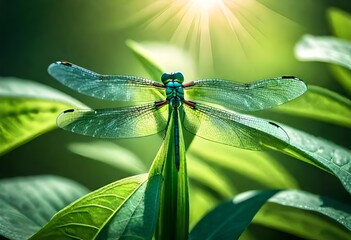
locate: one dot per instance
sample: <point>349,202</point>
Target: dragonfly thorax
<point>174,92</point>
<point>174,87</point>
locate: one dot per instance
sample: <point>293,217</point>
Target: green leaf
<point>340,22</point>
<point>293,211</point>
<point>324,49</point>
<point>140,223</point>
<point>343,75</point>
<point>229,219</point>
<point>157,58</point>
<point>316,151</point>
<point>201,202</point>
<point>154,70</point>
<point>317,103</point>
<point>28,203</point>
<point>173,220</point>
<point>248,164</point>
<point>329,50</point>
<point>111,154</point>
<point>301,213</point>
<point>123,159</point>
<point>27,110</point>
<point>321,153</point>
<point>121,201</point>
<point>202,173</point>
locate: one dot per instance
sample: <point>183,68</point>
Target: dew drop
<point>320,150</point>
<point>310,145</point>
<point>340,159</point>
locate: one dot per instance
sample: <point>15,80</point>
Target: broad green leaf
<point>122,159</point>
<point>111,154</point>
<point>340,22</point>
<point>141,222</point>
<point>28,203</point>
<point>229,219</point>
<point>154,70</point>
<point>320,152</point>
<point>28,109</point>
<point>293,211</point>
<point>245,163</point>
<point>301,213</point>
<point>324,49</point>
<point>306,147</point>
<point>321,104</point>
<point>121,201</point>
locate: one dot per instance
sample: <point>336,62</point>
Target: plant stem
<point>173,222</point>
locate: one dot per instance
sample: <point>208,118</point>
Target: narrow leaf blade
<point>173,222</point>
<point>158,57</point>
<point>202,173</point>
<point>154,70</point>
<point>340,22</point>
<point>111,154</point>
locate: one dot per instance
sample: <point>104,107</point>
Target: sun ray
<point>201,27</point>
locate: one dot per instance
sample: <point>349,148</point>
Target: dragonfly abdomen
<point>176,138</point>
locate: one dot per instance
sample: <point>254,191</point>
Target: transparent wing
<point>233,129</point>
<point>246,96</point>
<point>124,122</point>
<point>108,87</point>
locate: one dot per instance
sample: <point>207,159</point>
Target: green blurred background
<point>258,44</point>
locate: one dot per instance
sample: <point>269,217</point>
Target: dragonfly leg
<point>190,103</point>
<point>189,84</point>
<point>160,103</point>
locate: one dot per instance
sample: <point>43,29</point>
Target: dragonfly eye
<point>179,76</point>
<point>165,77</point>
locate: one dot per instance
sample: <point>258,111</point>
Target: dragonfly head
<point>166,77</point>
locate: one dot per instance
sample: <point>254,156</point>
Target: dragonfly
<point>208,108</point>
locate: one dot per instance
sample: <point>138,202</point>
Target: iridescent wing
<point>107,87</point>
<point>123,122</point>
<point>233,129</point>
<point>252,96</point>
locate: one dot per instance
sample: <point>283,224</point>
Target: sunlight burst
<point>200,26</point>
<point>205,5</point>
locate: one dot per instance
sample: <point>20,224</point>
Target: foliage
<point>158,203</point>
<point>28,105</point>
<point>28,203</point>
